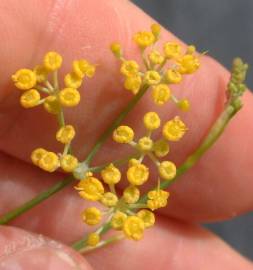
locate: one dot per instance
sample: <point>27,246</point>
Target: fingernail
<point>44,258</point>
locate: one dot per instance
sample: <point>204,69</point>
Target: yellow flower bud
<point>93,239</point>
<point>145,144</point>
<point>129,68</point>
<point>83,68</point>
<point>157,199</point>
<point>116,49</point>
<point>173,76</point>
<point>71,80</point>
<point>191,49</point>
<point>118,220</point>
<point>133,83</point>
<point>152,77</point>
<point>49,162</point>
<point>24,79</point>
<point>144,39</point>
<point>161,94</point>
<point>52,105</point>
<point>138,174</point>
<point>109,199</point>
<point>156,58</point>
<point>167,170</point>
<point>148,217</point>
<point>111,175</point>
<point>52,61</point>
<point>37,154</point>
<point>174,129</point>
<point>151,120</point>
<point>30,98</point>
<point>172,50</point>
<point>156,29</point>
<point>123,134</point>
<point>69,97</point>
<point>40,73</point>
<point>91,216</point>
<point>131,194</point>
<point>161,148</point>
<point>65,134</point>
<point>133,162</point>
<point>68,163</point>
<point>90,189</point>
<point>184,105</point>
<point>134,228</point>
<point>188,64</point>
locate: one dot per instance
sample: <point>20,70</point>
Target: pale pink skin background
<point>218,188</point>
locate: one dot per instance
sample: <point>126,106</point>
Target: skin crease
<point>207,192</point>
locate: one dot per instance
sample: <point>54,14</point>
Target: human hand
<point>219,187</point>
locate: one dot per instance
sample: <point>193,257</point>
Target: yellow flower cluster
<point>173,130</point>
<point>162,69</point>
<point>37,89</point>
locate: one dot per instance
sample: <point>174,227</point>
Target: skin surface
<point>217,188</point>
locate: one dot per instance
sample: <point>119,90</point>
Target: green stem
<point>115,124</point>
<point>213,135</point>
<point>35,201</point>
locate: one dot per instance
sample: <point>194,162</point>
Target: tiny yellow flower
<point>131,194</point>
<point>71,80</point>
<point>157,199</point>
<point>156,29</point>
<point>118,220</point>
<point>91,216</point>
<point>68,163</point>
<point>52,61</point>
<point>151,120</point>
<point>93,239</point>
<point>148,217</point>
<point>90,189</point>
<point>111,175</point>
<point>156,58</point>
<point>161,94</point>
<point>116,49</point>
<point>188,64</point>
<point>83,68</point>
<point>133,83</point>
<point>109,199</point>
<point>152,77</point>
<point>65,134</point>
<point>49,162</point>
<point>184,105</point>
<point>172,50</point>
<point>41,73</point>
<point>173,76</point>
<point>133,161</point>
<point>24,79</point>
<point>37,155</point>
<point>191,49</point>
<point>123,134</point>
<point>129,68</point>
<point>167,170</point>
<point>145,144</point>
<point>138,174</point>
<point>161,148</point>
<point>52,105</point>
<point>69,97</point>
<point>144,39</point>
<point>30,98</point>
<point>174,129</point>
<point>134,228</point>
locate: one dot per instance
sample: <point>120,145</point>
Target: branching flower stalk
<point>125,212</point>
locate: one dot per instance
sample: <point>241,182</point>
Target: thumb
<point>23,250</point>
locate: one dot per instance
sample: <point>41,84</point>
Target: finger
<point>170,245</point>
<point>205,90</point>
<point>23,250</point>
